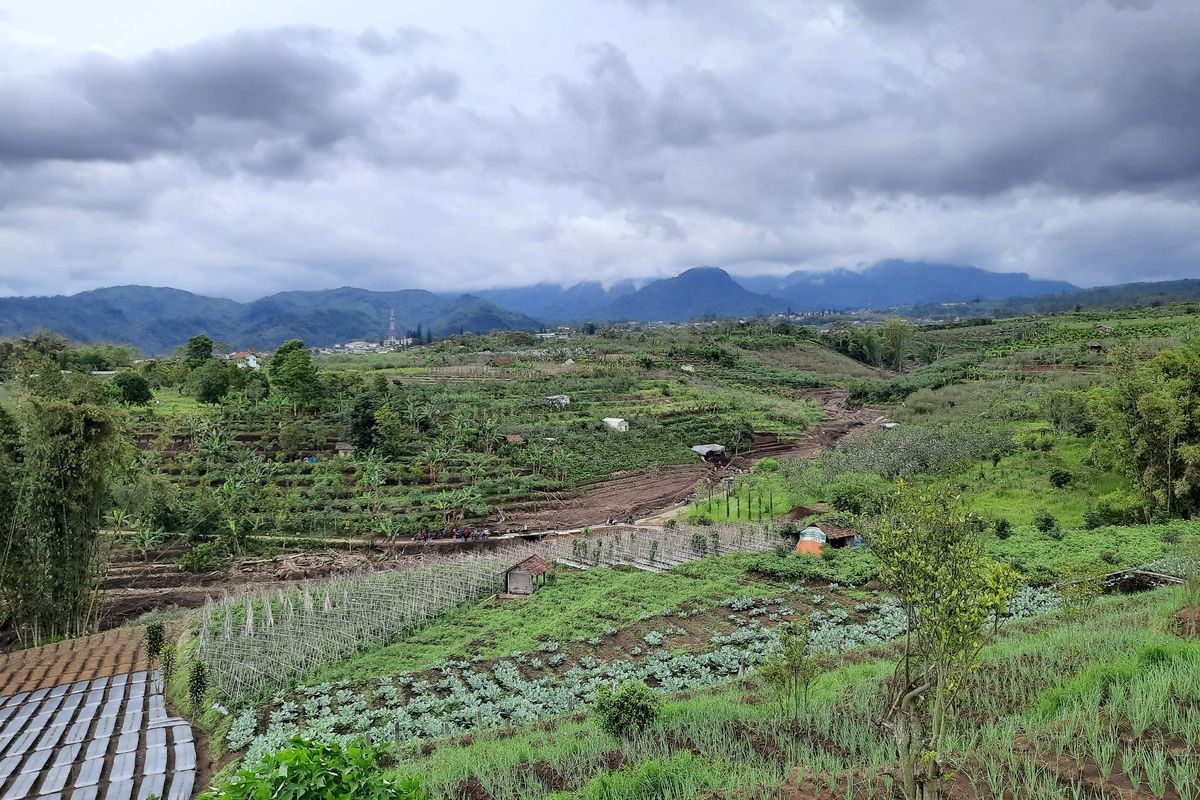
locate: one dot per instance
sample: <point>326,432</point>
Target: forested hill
<point>699,292</point>
<point>156,320</point>
<point>900,283</point>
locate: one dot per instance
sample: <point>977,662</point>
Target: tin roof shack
<point>344,449</point>
<point>523,579</point>
<point>712,453</point>
<point>559,401</point>
<point>616,424</point>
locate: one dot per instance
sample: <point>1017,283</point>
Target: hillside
<point>899,283</point>
<point>156,319</point>
<point>551,302</point>
<point>699,292</point>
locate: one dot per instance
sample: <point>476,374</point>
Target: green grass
<point>1029,549</point>
<point>172,403</point>
<point>575,604</point>
<point>1039,680</point>
<point>1020,486</point>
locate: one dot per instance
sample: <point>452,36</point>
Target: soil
<point>472,789</point>
<point>1186,622</point>
<point>87,657</point>
<point>653,495</point>
<point>546,774</point>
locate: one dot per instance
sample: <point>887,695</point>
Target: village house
<point>616,424</point>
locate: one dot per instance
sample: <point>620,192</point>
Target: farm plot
<point>109,737</point>
<point>256,644</point>
<point>680,649</point>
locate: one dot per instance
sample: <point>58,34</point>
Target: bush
<point>851,566</point>
<point>156,635</point>
<point>766,465</point>
<point>1059,478</point>
<point>629,710</point>
<point>1046,522</point>
<point>1002,528</point>
<point>306,770</point>
<point>135,389</point>
<point>858,493</point>
<point>204,557</point>
<point>1109,557</point>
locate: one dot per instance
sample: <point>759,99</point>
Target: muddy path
<point>652,496</point>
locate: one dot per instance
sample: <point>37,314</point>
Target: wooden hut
<point>525,578</point>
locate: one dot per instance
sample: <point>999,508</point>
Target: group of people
<point>618,521</point>
<point>460,534</point>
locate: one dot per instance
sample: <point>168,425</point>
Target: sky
<point>238,149</point>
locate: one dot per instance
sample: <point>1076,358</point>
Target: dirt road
<point>652,496</point>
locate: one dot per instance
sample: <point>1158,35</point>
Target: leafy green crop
<point>305,770</point>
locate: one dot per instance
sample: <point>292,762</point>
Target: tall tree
<point>294,375</point>
<point>897,339</point>
<point>51,554</point>
<point>1149,419</point>
<point>198,350</point>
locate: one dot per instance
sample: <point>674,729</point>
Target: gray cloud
<point>447,151</point>
<point>269,95</point>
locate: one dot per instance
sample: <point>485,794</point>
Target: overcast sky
<point>239,148</point>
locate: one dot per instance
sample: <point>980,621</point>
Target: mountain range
<point>158,319</point>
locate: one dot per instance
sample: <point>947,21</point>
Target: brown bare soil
<point>1186,622</point>
<point>87,657</point>
<point>649,493</point>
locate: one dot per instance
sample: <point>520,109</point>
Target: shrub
<point>852,566</point>
<point>766,465</point>
<point>1059,478</point>
<point>858,493</point>
<point>1108,557</point>
<point>1002,528</point>
<point>156,634</point>
<point>1046,522</point>
<point>305,770</point>
<point>197,686</point>
<point>629,710</point>
<point>204,557</point>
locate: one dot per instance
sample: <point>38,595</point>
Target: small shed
<point>524,578</point>
<point>344,449</point>
<point>1096,347</point>
<point>616,424</point>
<point>559,401</point>
<point>712,453</point>
<point>688,367</point>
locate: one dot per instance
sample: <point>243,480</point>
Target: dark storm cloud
<point>272,96</point>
